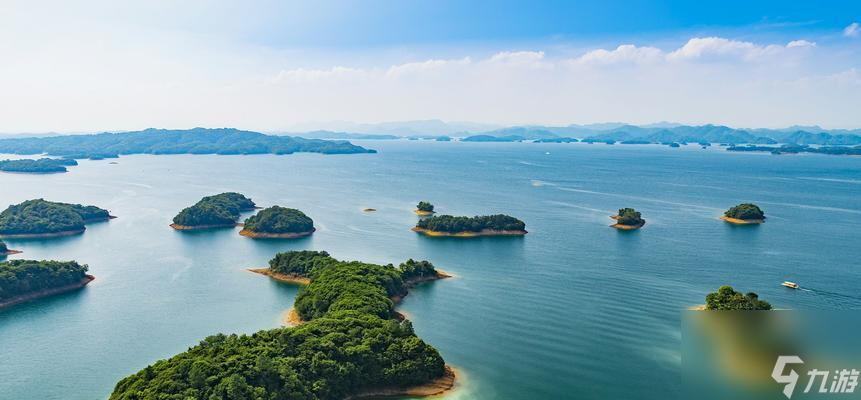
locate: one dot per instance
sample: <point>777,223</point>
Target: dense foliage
<point>629,216</point>
<point>20,277</point>
<point>746,211</point>
<point>42,165</point>
<point>726,298</point>
<point>40,216</point>
<point>452,224</point>
<point>795,149</point>
<point>305,263</point>
<point>425,206</point>
<point>279,220</point>
<point>412,269</point>
<point>221,209</point>
<point>349,343</point>
<point>353,286</point>
<point>162,141</point>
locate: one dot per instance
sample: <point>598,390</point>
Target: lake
<point>574,309</point>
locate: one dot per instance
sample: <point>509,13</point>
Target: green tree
<point>424,206</point>
<point>745,211</point>
<point>726,298</point>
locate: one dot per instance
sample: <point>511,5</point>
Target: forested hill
<point>164,141</point>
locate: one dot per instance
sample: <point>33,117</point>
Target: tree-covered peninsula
<point>41,218</point>
<point>628,219</point>
<point>5,250</point>
<point>744,214</point>
<point>726,298</point>
<point>221,210</point>
<point>22,280</point>
<point>278,222</point>
<point>486,225</point>
<point>351,344</point>
<point>166,141</point>
<point>40,166</point>
<point>424,208</point>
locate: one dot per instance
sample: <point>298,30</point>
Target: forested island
<point>796,149</point>
<point>744,214</point>
<point>40,166</point>
<point>218,211</point>
<point>424,208</point>
<point>23,280</point>
<point>5,250</point>
<point>487,225</point>
<point>41,218</point>
<point>351,344</point>
<point>628,219</point>
<point>278,223</point>
<point>166,141</point>
<point>726,298</point>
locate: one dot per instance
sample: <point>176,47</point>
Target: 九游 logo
<point>844,381</point>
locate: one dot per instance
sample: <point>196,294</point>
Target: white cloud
<point>712,48</point>
<point>624,53</point>
<point>800,43</point>
<point>852,30</point>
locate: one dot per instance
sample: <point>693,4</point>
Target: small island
<point>424,208</point>
<point>628,219</point>
<point>40,166</point>
<point>744,214</point>
<point>41,218</point>
<point>6,251</point>
<point>219,211</point>
<point>278,223</point>
<point>726,298</point>
<point>487,225</point>
<point>351,343</point>
<point>23,280</point>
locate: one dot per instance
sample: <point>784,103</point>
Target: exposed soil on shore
<point>486,232</point>
<point>432,388</point>
<point>424,213</point>
<point>47,292</point>
<point>10,252</point>
<point>624,227</point>
<point>264,235</point>
<point>299,280</point>
<point>738,221</point>
<point>200,227</point>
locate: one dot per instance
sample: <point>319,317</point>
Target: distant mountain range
<point>661,132</point>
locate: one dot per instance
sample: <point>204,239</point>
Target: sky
<point>94,65</point>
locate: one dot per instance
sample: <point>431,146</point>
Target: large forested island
<point>41,218</point>
<point>726,298</point>
<point>22,280</point>
<point>628,219</point>
<point>165,141</point>
<point>221,210</point>
<point>486,225</point>
<point>278,223</point>
<point>744,214</point>
<point>351,344</point>
<point>40,166</point>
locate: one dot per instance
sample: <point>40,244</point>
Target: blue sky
<point>278,65</point>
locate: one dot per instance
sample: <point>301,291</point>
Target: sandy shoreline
<point>201,227</point>
<point>424,213</point>
<point>299,280</point>
<point>291,318</point>
<point>486,232</point>
<point>624,227</point>
<point>10,252</point>
<point>47,292</point>
<point>264,235</point>
<point>738,221</point>
<point>435,387</point>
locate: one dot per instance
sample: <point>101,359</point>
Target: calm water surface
<point>573,310</point>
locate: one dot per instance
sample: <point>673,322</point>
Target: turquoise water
<point>573,310</point>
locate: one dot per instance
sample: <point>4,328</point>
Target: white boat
<point>791,285</point>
